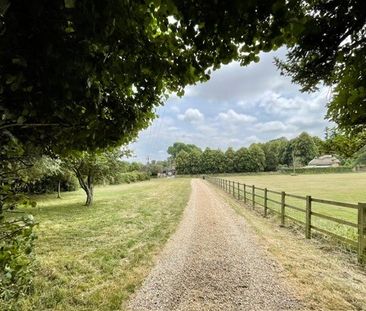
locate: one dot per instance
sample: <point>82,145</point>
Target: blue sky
<point>236,107</point>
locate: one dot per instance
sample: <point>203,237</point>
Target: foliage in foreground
<point>100,70</point>
<point>16,255</point>
<point>16,228</point>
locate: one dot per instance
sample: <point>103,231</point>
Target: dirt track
<point>213,262</point>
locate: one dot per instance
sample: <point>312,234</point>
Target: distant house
<point>167,173</point>
<point>325,161</point>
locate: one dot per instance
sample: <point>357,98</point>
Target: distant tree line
<point>259,157</point>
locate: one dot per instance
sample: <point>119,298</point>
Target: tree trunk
<point>86,185</point>
<point>89,198</point>
<point>59,190</point>
<point>89,193</point>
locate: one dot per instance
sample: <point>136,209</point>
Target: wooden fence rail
<point>259,197</point>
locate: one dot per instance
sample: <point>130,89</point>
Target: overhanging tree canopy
<point>87,74</point>
<point>329,47</point>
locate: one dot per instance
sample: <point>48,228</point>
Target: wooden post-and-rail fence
<point>261,197</point>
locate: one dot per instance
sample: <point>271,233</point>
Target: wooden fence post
<point>245,193</point>
<point>308,218</point>
<point>253,196</point>
<point>265,202</point>
<point>361,232</point>
<point>238,191</point>
<point>283,196</point>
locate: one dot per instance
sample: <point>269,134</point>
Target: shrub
<point>129,177</point>
<point>49,184</point>
<point>16,257</point>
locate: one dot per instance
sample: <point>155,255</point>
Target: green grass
<point>94,258</point>
<point>350,187</point>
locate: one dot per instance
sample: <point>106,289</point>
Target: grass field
<point>346,187</point>
<point>93,258</point>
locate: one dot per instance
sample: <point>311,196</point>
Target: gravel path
<point>214,262</point>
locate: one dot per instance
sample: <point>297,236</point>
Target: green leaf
<point>20,120</point>
<point>69,4</point>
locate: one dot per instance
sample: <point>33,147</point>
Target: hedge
<point>126,178</point>
<point>317,170</point>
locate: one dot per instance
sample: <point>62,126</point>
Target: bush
<point>49,184</point>
<point>16,246</point>
<point>126,178</point>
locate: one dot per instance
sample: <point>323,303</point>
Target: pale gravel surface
<point>214,262</point>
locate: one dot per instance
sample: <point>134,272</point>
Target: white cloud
<point>191,115</point>
<point>272,126</point>
<point>244,104</point>
<point>235,82</point>
<point>234,117</point>
<point>235,140</point>
<point>252,139</point>
<point>175,109</point>
<point>275,103</point>
<point>207,130</point>
<point>236,107</point>
<point>173,128</point>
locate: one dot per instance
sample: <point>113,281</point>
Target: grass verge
<point>94,258</point>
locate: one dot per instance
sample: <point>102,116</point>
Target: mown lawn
<point>94,258</point>
<point>346,187</point>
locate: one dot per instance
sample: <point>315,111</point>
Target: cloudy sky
<point>236,107</point>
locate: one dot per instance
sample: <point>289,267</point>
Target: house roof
<point>324,160</point>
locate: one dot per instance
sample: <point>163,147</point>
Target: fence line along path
<point>214,262</point>
<point>312,213</point>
